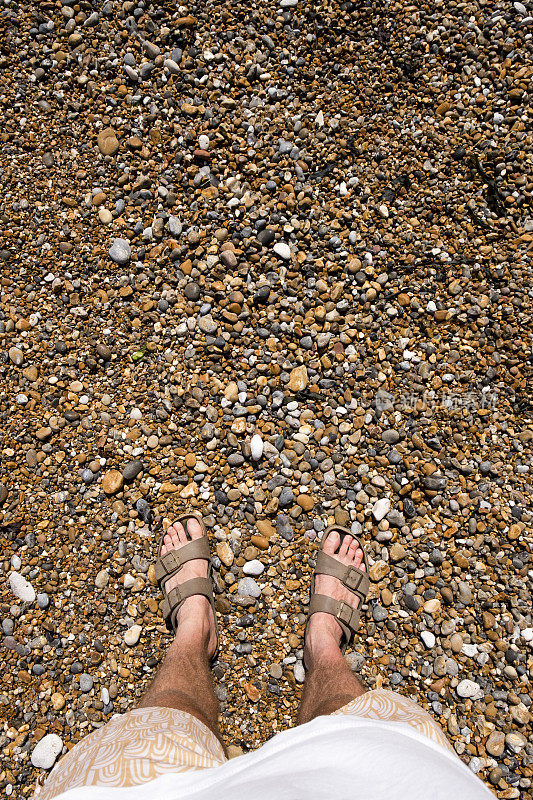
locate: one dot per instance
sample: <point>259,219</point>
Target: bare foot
<point>323,630</point>
<point>195,617</point>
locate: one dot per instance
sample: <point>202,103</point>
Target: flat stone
<point>254,567</point>
<point>248,588</point>
<point>256,447</point>
<point>495,744</point>
<point>21,588</point>
<point>381,508</point>
<point>225,553</point>
<point>46,751</point>
<point>131,470</point>
<point>282,250</point>
<point>468,689</point>
<point>397,552</point>
<point>132,635</point>
<point>120,252</point>
<point>428,638</point>
<point>298,379</point>
<point>112,481</point>
<point>16,356</point>
<point>108,143</point>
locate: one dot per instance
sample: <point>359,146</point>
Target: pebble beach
<point>271,263</point>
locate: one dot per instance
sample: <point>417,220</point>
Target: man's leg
<point>184,679</point>
<point>330,683</point>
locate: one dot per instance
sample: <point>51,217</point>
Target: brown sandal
<point>351,577</point>
<point>168,565</point>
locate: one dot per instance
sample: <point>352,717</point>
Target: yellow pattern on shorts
<point>143,744</point>
<point>392,707</point>
<point>136,748</point>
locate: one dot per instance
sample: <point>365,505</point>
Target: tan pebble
<point>489,620</point>
<point>225,553</point>
<point>152,580</point>
<point>378,570</point>
<point>104,215</point>
<point>108,142</point>
<point>189,491</point>
<point>495,744</point>
<point>432,606</point>
<point>112,481</point>
<point>520,714</point>
<point>306,502</point>
<point>168,488</point>
<point>298,379</point>
<point>514,532</point>
<point>386,597</point>
<point>397,552</point>
<point>58,701</point>
<point>265,528</point>
<point>252,691</point>
<point>31,373</point>
<point>231,392</point>
<point>456,642</point>
<point>260,542</point>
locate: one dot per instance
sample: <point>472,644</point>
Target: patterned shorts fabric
<point>143,744</point>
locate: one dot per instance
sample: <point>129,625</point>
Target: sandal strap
<point>173,601</point>
<point>347,616</point>
<point>171,562</point>
<point>351,577</point>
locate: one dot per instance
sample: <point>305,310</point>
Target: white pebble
<point>299,672</point>
<point>383,211</point>
<point>21,588</point>
<point>46,751</point>
<point>381,509</point>
<point>203,142</point>
<point>16,563</point>
<point>256,446</point>
<point>254,567</point>
<point>428,638</point>
<point>102,579</point>
<point>248,587</point>
<point>282,250</point>
<point>132,635</point>
<point>468,689</point>
<point>129,580</point>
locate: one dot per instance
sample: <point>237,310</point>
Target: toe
<point>343,549</point>
<point>358,559</point>
<point>331,543</point>
<point>180,533</point>
<point>194,529</point>
<point>352,550</point>
<point>167,543</point>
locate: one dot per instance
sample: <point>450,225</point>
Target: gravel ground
<point>272,263</point>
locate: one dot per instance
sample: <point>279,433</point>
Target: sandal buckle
<point>344,613</point>
<point>353,579</point>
